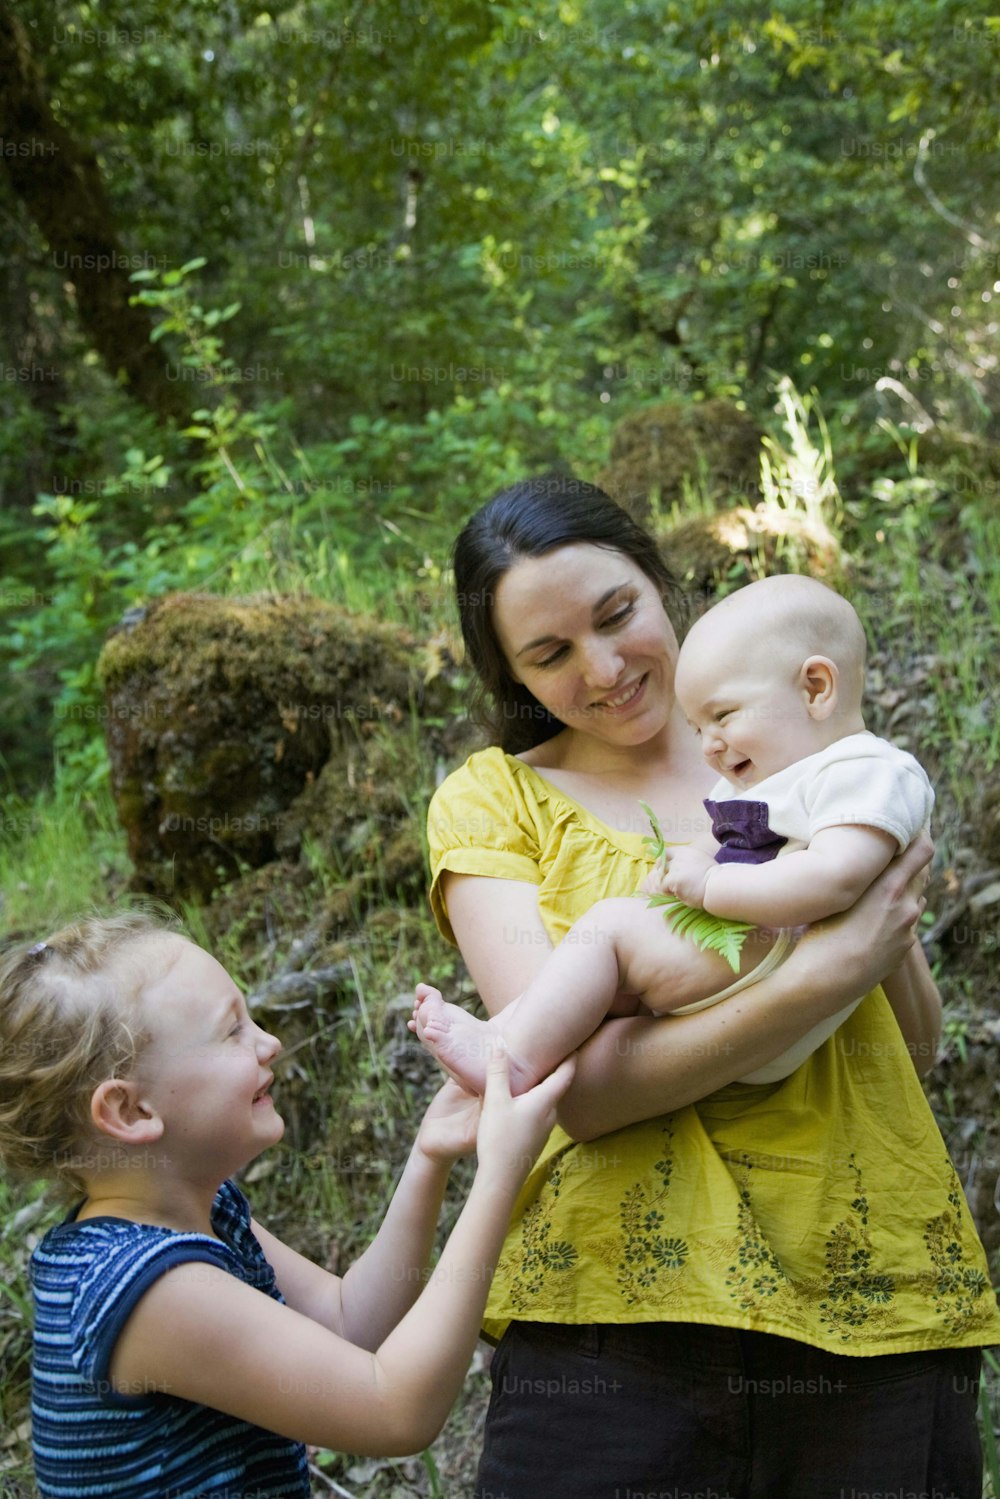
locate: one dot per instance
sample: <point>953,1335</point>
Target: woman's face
<point>585,630</point>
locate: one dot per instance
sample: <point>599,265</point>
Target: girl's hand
<point>449,1126</point>
<point>513,1130</point>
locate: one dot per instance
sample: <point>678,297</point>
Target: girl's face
<point>206,1069</point>
<point>585,630</point>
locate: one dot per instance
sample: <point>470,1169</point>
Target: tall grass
<point>945,614</point>
<point>60,854</point>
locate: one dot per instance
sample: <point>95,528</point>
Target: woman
<point>770,1292</point>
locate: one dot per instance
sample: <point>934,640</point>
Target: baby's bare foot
<point>462,1044</point>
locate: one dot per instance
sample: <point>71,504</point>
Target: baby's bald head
<point>782,621</point>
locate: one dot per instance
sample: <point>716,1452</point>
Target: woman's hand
<point>869,941</point>
<point>886,919</point>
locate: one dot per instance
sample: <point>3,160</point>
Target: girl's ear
<point>117,1109</point>
<point>818,681</point>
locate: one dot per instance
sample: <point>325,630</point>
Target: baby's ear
<point>818,680</point>
<point>117,1109</point>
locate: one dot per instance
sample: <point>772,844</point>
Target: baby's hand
<point>685,874</point>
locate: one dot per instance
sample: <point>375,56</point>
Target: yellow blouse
<point>823,1207</point>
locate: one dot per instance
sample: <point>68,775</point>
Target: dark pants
<point>677,1411</point>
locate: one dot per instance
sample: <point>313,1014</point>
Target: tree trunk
<point>59,182</point>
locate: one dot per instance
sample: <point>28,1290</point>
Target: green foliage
<point>934,538</point>
<point>707,932</point>
<point>654,843</point>
<point>23,1212</point>
<point>624,202</point>
<point>402,258</point>
<point>400,263</point>
<point>384,499</point>
<point>60,853</point>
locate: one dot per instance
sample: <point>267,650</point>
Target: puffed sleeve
<point>480,822</point>
<point>884,791</point>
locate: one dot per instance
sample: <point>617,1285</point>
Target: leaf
<point>707,932</point>
<point>655,846</point>
<point>710,933</point>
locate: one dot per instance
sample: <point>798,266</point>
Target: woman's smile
<point>626,697</point>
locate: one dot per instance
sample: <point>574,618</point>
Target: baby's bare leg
<point>560,1008</point>
<point>620,946</point>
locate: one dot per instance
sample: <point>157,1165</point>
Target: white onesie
<point>860,780</point>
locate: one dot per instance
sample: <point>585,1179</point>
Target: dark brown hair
<point>528,520</point>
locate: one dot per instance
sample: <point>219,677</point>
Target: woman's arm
<point>499,933</point>
<point>916,1004</point>
<point>639,1068</point>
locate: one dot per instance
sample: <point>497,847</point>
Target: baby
<point>809,809</point>
<point>180,1348</point>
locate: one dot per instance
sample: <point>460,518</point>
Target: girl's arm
<point>639,1068</point>
<point>381,1285</point>
<point>200,1334</point>
<point>916,1004</point>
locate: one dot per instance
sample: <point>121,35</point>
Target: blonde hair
<point>68,1021</point>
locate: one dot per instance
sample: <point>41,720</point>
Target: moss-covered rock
<point>222,712</point>
<point>655,450</point>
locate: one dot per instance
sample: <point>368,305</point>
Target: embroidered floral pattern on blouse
<point>855,1288</point>
<point>646,1252</point>
<point>757,1274</point>
<point>956,1287</point>
<point>540,1253</point>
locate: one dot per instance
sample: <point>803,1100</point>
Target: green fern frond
<point>710,933</point>
<point>655,846</point>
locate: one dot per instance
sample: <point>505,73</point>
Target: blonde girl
<point>180,1348</point>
